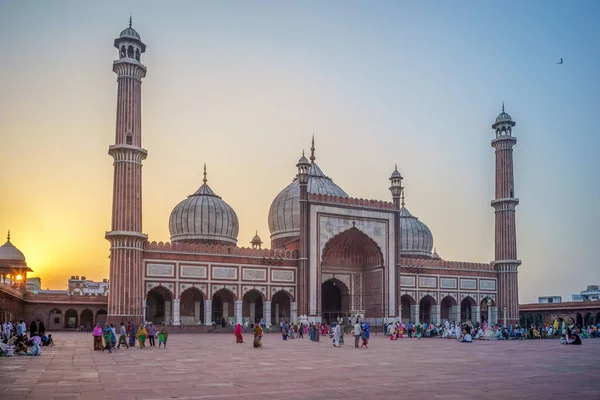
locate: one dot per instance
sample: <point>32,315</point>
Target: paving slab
<point>198,366</point>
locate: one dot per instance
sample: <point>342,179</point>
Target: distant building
<point>591,293</point>
<point>549,299</point>
<point>34,285</point>
<point>85,287</point>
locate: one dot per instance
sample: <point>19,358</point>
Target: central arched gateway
<point>352,277</point>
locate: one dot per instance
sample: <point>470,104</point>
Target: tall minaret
<point>506,262</point>
<point>126,294</point>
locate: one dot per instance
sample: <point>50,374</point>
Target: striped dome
<point>416,238</point>
<point>204,218</point>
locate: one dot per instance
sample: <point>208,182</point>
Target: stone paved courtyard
<point>213,366</point>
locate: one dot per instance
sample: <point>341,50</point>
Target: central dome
<point>204,218</point>
<point>284,214</point>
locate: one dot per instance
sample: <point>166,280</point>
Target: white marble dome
<point>8,252</point>
<point>204,218</point>
<point>416,238</point>
<point>284,213</point>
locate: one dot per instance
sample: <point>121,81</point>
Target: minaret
<point>397,191</point>
<point>506,262</point>
<point>126,294</point>
<point>303,279</point>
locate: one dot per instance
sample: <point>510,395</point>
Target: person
<point>365,338</point>
<point>311,332</point>
<point>20,330</point>
<point>317,333</point>
<point>392,331</point>
<point>122,336</point>
<point>35,350</point>
<point>336,335</point>
<point>258,332</point>
<point>357,333</point>
<point>162,335</point>
<point>341,336</point>
<point>32,328</point>
<point>141,335</point>
<point>97,334</point>
<point>466,338</point>
<point>151,333</point>
<point>42,328</point>
<point>238,334</point>
<point>283,332</point>
<point>132,335</point>
<point>223,322</point>
<point>107,339</point>
<point>113,336</point>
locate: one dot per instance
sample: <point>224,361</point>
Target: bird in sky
<point>561,61</point>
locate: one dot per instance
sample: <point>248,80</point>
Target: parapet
<point>219,249</point>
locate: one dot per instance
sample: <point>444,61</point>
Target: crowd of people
<point>14,340</point>
<point>106,338</point>
<point>466,332</point>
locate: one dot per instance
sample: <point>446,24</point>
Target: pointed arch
<point>351,248</point>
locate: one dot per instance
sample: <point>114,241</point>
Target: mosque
<point>331,255</point>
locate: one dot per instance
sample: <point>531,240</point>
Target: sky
<point>242,86</point>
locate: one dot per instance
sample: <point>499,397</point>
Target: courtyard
<point>213,366</point>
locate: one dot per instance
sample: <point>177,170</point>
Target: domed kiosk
<point>13,268</point>
<point>204,218</point>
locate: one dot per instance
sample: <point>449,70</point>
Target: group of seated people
<point>22,345</point>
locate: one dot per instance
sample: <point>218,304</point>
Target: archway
<point>522,321</point>
<point>529,320</point>
<point>425,315</point>
<point>579,320</point>
<point>587,320</point>
<point>55,320</point>
<point>191,306</point>
<point>222,305</point>
<point>101,317</point>
<point>87,319</point>
<point>71,319</point>
<point>465,309</point>
<point>446,305</point>
<point>252,306</point>
<point>354,253</point>
<point>158,305</point>
<point>538,320</point>
<point>334,300</point>
<point>598,318</point>
<point>406,301</point>
<point>483,307</point>
<point>281,307</point>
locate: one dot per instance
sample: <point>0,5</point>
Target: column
<point>176,316</point>
<point>493,315</point>
<point>414,314</point>
<point>435,315</point>
<point>145,310</point>
<point>167,312</point>
<point>294,312</point>
<point>208,318</point>
<point>197,316</point>
<point>253,312</point>
<point>238,311</point>
<point>277,313</point>
<point>476,314</point>
<point>455,314</point>
<point>267,312</point>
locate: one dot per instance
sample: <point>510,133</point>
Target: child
<point>162,336</point>
<point>107,340</point>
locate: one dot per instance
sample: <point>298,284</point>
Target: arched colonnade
<point>428,310</point>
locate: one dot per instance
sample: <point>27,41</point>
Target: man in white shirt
<point>357,332</point>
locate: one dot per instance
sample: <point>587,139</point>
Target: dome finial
<point>402,198</point>
<point>502,106</point>
<point>204,180</point>
<point>8,236</point>
<point>312,149</point>
<point>130,18</point>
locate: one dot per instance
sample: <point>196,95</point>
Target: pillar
<point>277,313</point>
<point>294,312</point>
<point>238,311</point>
<point>176,316</point>
<point>455,314</point>
<point>493,315</point>
<point>253,312</point>
<point>167,312</point>
<point>208,318</point>
<point>414,314</point>
<point>267,312</point>
<point>476,314</point>
<point>197,316</point>
<point>435,315</point>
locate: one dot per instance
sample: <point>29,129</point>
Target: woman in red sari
<point>238,334</point>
